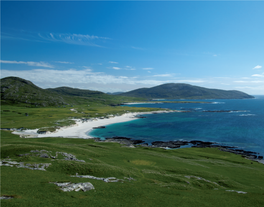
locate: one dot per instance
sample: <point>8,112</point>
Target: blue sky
<point>120,46</point>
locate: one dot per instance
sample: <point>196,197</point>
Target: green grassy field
<point>50,118</point>
<point>181,177</point>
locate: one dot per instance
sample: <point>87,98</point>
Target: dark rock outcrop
<point>179,143</point>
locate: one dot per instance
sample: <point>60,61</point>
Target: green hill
<point>185,91</point>
<point>16,90</point>
<point>75,92</point>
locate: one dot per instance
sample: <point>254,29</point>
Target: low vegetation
<point>186,177</point>
<point>51,118</point>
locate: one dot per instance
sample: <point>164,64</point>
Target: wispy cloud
<point>116,68</point>
<point>130,68</point>
<point>252,81</point>
<point>68,38</point>
<point>163,75</point>
<point>21,35</point>
<point>147,68</point>
<point>30,63</point>
<point>191,81</point>
<point>73,77</point>
<point>78,39</point>
<point>63,62</point>
<point>211,54</point>
<point>113,62</point>
<point>88,79</point>
<point>257,67</point>
<point>258,75</point>
<point>137,48</point>
<point>87,68</point>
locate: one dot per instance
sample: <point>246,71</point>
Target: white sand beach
<point>80,129</point>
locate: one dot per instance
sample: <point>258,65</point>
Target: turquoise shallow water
<point>242,127</point>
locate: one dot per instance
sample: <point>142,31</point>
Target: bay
<point>240,124</point>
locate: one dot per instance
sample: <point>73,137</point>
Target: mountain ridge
<point>185,91</point>
<point>15,90</point>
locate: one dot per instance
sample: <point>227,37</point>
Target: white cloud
<point>72,77</point>
<point>86,67</point>
<point>52,36</point>
<point>163,75</point>
<point>147,68</point>
<point>130,68</point>
<point>64,62</point>
<point>113,62</point>
<point>258,75</point>
<point>30,63</point>
<point>78,39</point>
<point>190,81</point>
<point>116,68</point>
<point>257,67</point>
<point>251,81</point>
<point>88,79</point>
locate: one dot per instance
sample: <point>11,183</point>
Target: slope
<point>185,91</point>
<point>16,90</point>
<point>19,91</point>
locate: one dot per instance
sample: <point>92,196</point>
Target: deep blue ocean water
<point>243,127</point>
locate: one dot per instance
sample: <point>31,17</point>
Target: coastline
<point>81,128</point>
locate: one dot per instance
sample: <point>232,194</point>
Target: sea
<point>230,122</point>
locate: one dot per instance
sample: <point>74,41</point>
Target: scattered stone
<point>169,144</point>
<point>34,166</point>
<point>237,191</point>
<point>41,131</point>
<point>121,140</point>
<point>35,151</point>
<point>68,186</point>
<point>44,155</point>
<point>130,178</point>
<point>199,178</point>
<point>6,197</point>
<point>47,154</point>
<point>23,155</point>
<point>68,156</point>
<point>107,180</point>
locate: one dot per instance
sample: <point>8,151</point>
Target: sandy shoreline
<point>80,129</point>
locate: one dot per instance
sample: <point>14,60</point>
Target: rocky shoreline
<point>179,143</point>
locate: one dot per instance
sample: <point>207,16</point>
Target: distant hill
<point>184,91</point>
<point>115,93</point>
<point>74,91</point>
<point>17,90</point>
